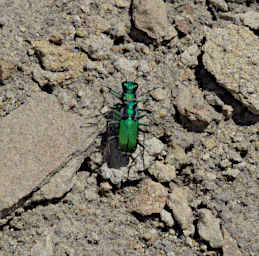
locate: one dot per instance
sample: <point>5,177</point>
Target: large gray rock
<point>36,141</point>
<point>231,55</point>
<point>209,229</point>
<point>151,17</point>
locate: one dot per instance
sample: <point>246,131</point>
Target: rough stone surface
<point>36,140</point>
<point>60,183</point>
<point>159,94</point>
<point>116,176</point>
<point>195,112</point>
<point>152,19</point>
<point>98,47</point>
<point>162,172</point>
<point>61,66</point>
<point>150,198</point>
<point>44,77</point>
<point>231,172</point>
<point>167,218</point>
<point>154,146</point>
<point>209,229</point>
<point>183,25</point>
<point>178,203</point>
<point>151,235</point>
<point>7,69</point>
<point>57,58</point>
<point>251,19</point>
<point>230,247</point>
<point>231,55</point>
<point>44,247</point>
<point>189,56</point>
<point>97,24</point>
<point>125,66</point>
<point>176,156</point>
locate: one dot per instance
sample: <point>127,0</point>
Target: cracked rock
<point>36,141</point>
<point>231,56</point>
<point>60,183</point>
<point>209,229</point>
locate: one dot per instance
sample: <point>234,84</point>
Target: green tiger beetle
<point>126,114</point>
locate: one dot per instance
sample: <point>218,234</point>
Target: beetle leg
<point>140,117</point>
<point>117,106</point>
<point>144,110</point>
<point>141,100</point>
<point>117,112</point>
<point>112,138</point>
<point>115,94</point>
<point>113,122</point>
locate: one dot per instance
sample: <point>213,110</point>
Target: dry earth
<point>191,186</point>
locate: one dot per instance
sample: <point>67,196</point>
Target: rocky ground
<point>191,186</point>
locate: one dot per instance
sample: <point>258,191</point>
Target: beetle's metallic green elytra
<point>128,134</point>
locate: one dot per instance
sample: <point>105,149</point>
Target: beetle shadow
<point>110,147</point>
<point>115,159</point>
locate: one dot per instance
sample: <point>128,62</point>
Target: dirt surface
<point>191,186</point>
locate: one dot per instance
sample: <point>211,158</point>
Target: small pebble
<point>76,20</point>
<point>189,241</point>
<point>81,32</point>
<point>143,67</point>
<point>105,186</point>
<point>211,176</point>
<point>151,235</point>
<point>231,172</point>
<point>167,218</point>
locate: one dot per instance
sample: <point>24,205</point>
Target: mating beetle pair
<point>127,116</point>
